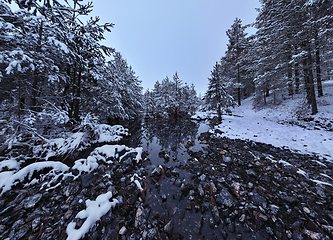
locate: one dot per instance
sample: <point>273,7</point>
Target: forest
<point>290,53</point>
<point>54,69</point>
<point>87,153</point>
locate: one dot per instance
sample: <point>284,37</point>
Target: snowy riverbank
<point>282,127</point>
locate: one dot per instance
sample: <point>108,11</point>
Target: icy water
<point>162,138</point>
<point>165,145</point>
<point>169,144</point>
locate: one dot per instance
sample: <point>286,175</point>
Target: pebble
<point>225,198</point>
<point>31,201</point>
<point>123,230</point>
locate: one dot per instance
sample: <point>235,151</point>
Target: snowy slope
<point>277,126</point>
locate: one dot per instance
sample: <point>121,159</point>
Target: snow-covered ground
<point>279,125</point>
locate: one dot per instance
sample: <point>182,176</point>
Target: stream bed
<point>190,184</point>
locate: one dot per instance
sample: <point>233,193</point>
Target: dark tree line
<point>50,61</point>
<point>291,52</point>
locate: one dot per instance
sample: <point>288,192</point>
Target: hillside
<point>285,125</point>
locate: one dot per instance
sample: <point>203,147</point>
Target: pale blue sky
<point>160,37</point>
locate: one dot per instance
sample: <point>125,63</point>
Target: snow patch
<point>10,164</point>
<point>28,172</point>
<point>99,133</point>
<point>94,211</point>
<point>275,126</point>
<point>103,154</point>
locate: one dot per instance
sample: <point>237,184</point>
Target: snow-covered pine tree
<point>237,43</point>
<point>148,104</point>
<point>177,94</point>
<point>216,97</point>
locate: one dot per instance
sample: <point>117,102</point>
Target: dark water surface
<point>169,144</point>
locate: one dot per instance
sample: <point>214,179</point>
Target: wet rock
<point>175,172</point>
<point>157,171</point>
<point>242,218</point>
<point>138,218</point>
<point>225,198</point>
<point>168,228</point>
<point>123,230</point>
<point>231,227</point>
<point>21,232</point>
<point>251,173</point>
<point>202,177</point>
<point>320,192</point>
<point>205,207</point>
<point>211,223</point>
<point>151,233</point>
<point>328,229</point>
<point>178,182</point>
<point>164,197</point>
<point>216,214</point>
<point>87,179</point>
<point>224,234</point>
<point>2,228</point>
<point>200,190</point>
<point>18,224</point>
<point>71,189</point>
<point>258,200</point>
<point>35,223</point>
<point>213,187</point>
<point>287,198</point>
<point>297,235</point>
<point>306,210</point>
<point>178,195</point>
<point>227,160</point>
<point>314,235</point>
<point>263,217</point>
<point>19,197</point>
<point>31,201</point>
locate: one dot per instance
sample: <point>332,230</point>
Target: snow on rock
<point>94,211</point>
<point>99,133</point>
<point>28,172</point>
<point>201,116</point>
<point>138,152</point>
<point>110,151</point>
<point>103,154</point>
<point>10,164</point>
<point>4,176</point>
<point>106,133</point>
<point>86,165</point>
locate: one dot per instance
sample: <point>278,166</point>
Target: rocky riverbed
<point>226,189</point>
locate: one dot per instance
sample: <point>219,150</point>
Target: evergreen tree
<point>172,98</point>
<point>236,45</point>
<point>216,97</point>
<point>50,57</point>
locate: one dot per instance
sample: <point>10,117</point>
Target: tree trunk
<point>318,70</point>
<point>74,89</point>
<point>290,80</point>
<point>306,79</point>
<point>266,92</point>
<point>35,81</point>
<point>312,90</point>
<point>238,88</point>
<point>309,83</point>
<point>297,78</point>
<point>77,98</point>
<point>219,113</point>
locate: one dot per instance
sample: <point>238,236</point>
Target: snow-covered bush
<point>88,133</point>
